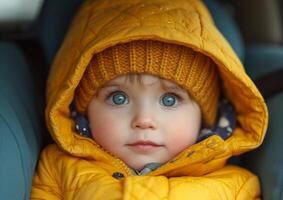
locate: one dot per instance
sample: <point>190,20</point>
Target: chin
<point>139,165</point>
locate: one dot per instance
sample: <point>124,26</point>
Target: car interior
<point>31,33</point>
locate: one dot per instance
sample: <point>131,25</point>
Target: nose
<point>143,120</point>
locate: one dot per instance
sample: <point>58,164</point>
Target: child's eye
<point>118,98</point>
<point>169,100</point>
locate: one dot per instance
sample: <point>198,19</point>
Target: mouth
<point>144,146</point>
<point>144,142</point>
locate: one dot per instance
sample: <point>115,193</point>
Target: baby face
<point>143,119</point>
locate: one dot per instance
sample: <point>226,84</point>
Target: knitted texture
<point>191,70</point>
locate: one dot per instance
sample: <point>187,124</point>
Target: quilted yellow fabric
<point>76,168</point>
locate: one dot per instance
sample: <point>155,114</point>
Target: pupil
<point>119,99</point>
<point>168,101</point>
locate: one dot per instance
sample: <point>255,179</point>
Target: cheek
<point>182,133</point>
<point>105,130</point>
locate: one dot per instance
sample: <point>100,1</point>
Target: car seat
<point>19,128</point>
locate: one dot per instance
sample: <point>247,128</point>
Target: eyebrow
<point>164,86</point>
<point>172,87</point>
<point>110,85</point>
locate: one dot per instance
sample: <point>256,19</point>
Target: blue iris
<point>168,100</point>
<point>119,98</point>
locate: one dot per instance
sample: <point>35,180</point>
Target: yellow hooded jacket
<point>76,168</point>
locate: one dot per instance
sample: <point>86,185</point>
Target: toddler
<point>141,118</point>
<point>146,100</point>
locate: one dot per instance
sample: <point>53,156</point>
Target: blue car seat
<point>19,128</point>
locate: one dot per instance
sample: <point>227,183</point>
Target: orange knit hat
<point>193,71</point>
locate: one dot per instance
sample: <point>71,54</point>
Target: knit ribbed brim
<point>191,70</point>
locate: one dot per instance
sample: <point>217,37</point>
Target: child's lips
<point>144,146</point>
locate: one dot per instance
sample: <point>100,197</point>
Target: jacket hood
<point>102,24</point>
